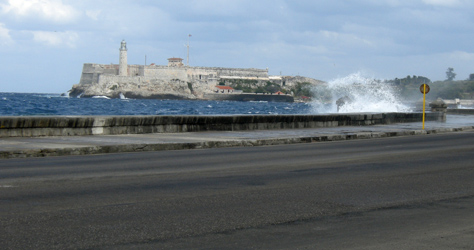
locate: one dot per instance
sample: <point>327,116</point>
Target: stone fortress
<point>174,81</point>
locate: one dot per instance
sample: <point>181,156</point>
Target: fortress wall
<point>243,72</point>
<point>218,72</point>
<point>21,126</point>
<point>135,70</point>
<point>107,79</point>
<point>201,74</point>
<point>88,78</point>
<point>91,72</point>
<point>165,73</point>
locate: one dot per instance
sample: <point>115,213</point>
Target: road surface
<point>412,192</point>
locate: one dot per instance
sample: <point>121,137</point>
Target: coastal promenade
<point>306,188</point>
<point>19,147</point>
<point>405,192</point>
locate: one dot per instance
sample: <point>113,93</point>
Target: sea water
<point>28,104</point>
<point>365,94</point>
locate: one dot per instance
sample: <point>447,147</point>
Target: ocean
<point>30,104</point>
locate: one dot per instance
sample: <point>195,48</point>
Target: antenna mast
<point>187,60</point>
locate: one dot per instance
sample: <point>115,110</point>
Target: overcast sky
<point>44,43</point>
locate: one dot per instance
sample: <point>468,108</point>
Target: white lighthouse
<point>123,59</point>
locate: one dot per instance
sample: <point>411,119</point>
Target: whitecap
<point>122,96</point>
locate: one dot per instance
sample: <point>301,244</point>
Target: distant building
<point>175,62</point>
<point>224,89</point>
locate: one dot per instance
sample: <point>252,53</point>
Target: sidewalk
<point>19,147</point>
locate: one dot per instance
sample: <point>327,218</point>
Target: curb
<point>128,148</point>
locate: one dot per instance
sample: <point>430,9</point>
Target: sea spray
<point>356,93</point>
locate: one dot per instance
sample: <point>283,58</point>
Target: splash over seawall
<point>360,94</point>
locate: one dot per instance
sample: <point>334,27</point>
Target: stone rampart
<point>165,73</point>
<point>92,71</point>
<point>242,72</point>
<point>33,126</point>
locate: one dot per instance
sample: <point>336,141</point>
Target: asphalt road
<point>412,192</point>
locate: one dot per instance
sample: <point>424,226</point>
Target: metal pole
<point>187,60</point>
<point>424,99</point>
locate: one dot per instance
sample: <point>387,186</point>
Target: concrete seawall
<point>461,111</point>
<point>34,126</point>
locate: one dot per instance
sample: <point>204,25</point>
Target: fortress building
<point>175,62</point>
<point>162,81</point>
<point>93,73</point>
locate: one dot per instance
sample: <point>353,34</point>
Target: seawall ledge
<point>34,126</point>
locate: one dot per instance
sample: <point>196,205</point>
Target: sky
<point>44,43</point>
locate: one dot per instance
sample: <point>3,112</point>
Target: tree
<point>302,89</point>
<point>471,77</point>
<point>450,75</point>
<point>410,80</point>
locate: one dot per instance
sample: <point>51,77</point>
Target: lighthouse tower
<point>123,59</point>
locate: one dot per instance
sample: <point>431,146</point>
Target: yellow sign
<point>424,88</point>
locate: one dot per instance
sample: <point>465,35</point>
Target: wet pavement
<point>17,147</point>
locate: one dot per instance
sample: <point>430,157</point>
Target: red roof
<point>224,87</point>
